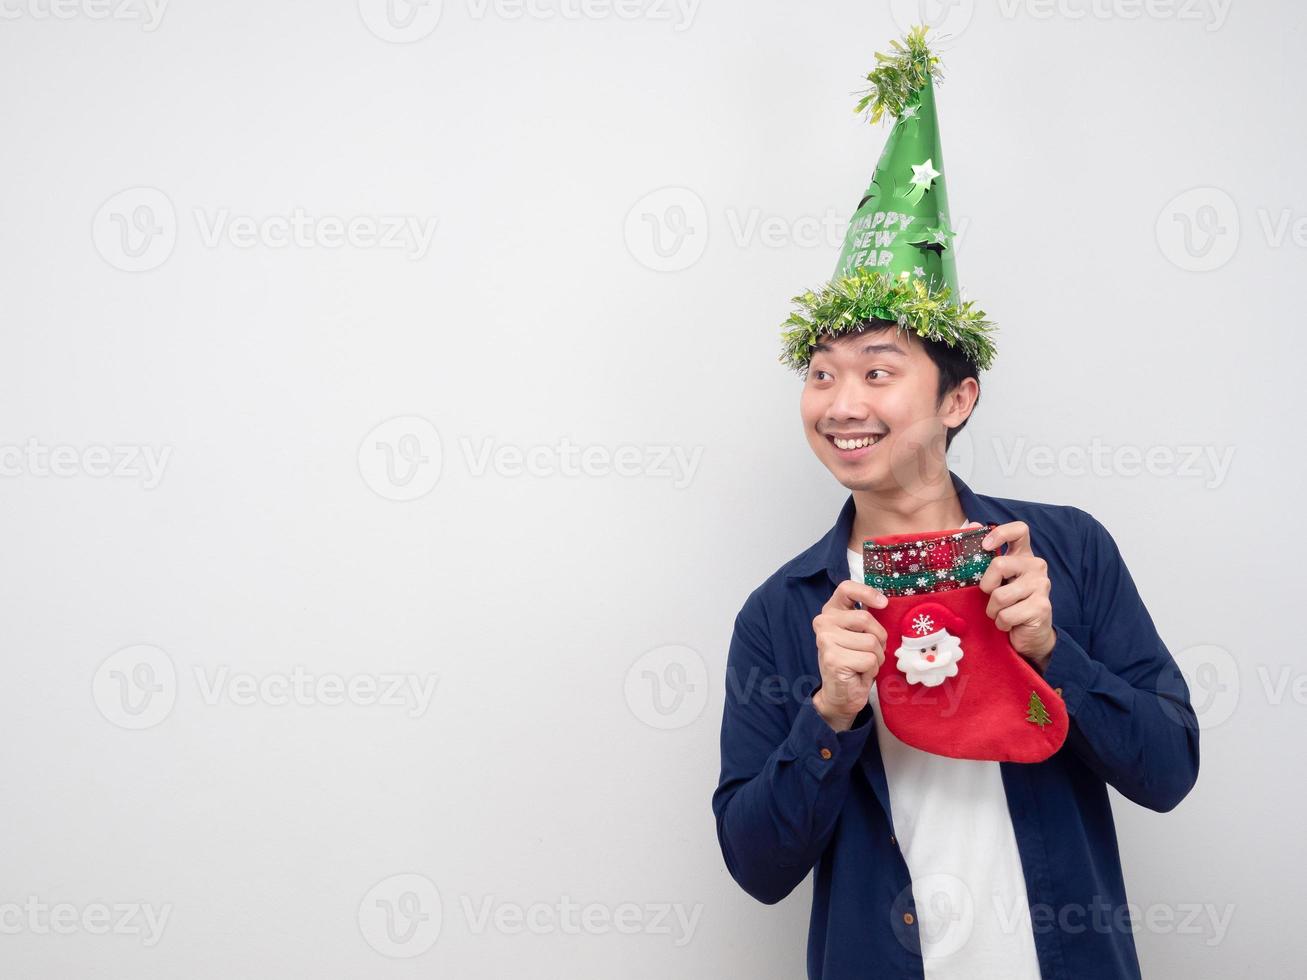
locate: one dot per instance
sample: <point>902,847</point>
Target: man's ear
<point>959,401</point>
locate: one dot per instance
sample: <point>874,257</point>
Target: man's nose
<point>850,401</point>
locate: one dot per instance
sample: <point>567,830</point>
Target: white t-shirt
<point>953,827</point>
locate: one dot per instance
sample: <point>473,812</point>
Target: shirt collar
<point>831,553</point>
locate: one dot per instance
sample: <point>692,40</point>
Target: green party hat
<point>897,261</point>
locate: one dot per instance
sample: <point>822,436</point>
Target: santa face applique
<point>929,654</point>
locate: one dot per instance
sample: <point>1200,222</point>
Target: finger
<point>1021,587</point>
<point>1009,566</point>
<point>1014,534</point>
<point>833,638</point>
<point>1033,611</point>
<point>858,620</point>
<point>850,592</point>
<point>852,661</point>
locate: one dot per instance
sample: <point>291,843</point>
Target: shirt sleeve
<point>783,783</point>
<point>1131,718</point>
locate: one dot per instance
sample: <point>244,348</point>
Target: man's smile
<point>854,445</point>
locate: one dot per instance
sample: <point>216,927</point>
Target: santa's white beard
<point>911,657</point>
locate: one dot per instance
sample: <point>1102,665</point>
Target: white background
<point>573,612</point>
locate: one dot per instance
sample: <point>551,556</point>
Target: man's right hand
<point>850,650</point>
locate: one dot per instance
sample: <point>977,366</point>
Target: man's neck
<point>905,513</point>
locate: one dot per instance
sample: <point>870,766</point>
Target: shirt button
<point>825,753</point>
<point>892,840</point>
<point>1057,691</point>
<point>907,917</point>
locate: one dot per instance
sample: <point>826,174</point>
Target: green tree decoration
<point>1037,713</point>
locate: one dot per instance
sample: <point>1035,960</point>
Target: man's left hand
<point>1018,586</point>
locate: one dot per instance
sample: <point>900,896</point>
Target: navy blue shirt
<point>796,797</point>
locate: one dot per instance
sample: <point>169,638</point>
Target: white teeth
<point>856,443</point>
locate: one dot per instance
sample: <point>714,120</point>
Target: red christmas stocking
<point>951,682</point>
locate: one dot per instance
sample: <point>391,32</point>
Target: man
<point>926,865</point>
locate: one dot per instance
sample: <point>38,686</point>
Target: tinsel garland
<point>847,303</point>
<point>898,77</point>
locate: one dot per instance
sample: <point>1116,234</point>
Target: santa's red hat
<point>930,619</point>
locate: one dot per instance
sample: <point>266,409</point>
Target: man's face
<point>869,410</point>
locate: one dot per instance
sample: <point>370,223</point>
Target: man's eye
<point>875,371</point>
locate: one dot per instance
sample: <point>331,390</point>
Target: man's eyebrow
<point>825,348</point>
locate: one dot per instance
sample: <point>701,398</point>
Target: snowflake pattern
<point>923,566</point>
<point>923,624</point>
